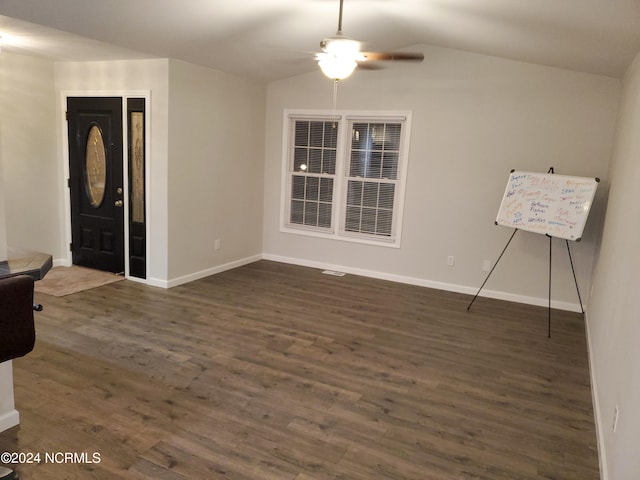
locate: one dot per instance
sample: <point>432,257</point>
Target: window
<point>313,172</point>
<point>344,175</point>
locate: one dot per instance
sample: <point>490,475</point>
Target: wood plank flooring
<point>278,372</point>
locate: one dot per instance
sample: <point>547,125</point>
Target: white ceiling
<point>272,39</point>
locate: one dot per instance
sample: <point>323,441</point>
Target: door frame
<point>124,95</point>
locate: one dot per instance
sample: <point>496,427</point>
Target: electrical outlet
<point>616,414</point>
<point>486,265</point>
<point>451,261</point>
<point>216,244</point>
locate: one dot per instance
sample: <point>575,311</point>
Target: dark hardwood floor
<point>279,372</point>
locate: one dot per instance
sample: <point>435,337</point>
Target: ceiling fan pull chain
<point>335,97</point>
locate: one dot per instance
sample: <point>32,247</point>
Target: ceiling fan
<point>341,55</point>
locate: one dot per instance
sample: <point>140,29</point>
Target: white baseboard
<point>597,414</point>
<point>61,262</point>
<point>498,295</point>
<point>9,419</point>
<point>8,414</point>
<point>451,287</point>
<point>156,282</point>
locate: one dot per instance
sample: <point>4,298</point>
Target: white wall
<point>216,153</point>
<point>3,218</point>
<point>475,118</point>
<point>29,217</point>
<point>613,320</point>
<point>28,151</point>
<point>8,416</point>
<point>120,77</point>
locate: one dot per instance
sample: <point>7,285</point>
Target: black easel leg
<point>494,267</point>
<point>574,276</point>
<point>549,309</point>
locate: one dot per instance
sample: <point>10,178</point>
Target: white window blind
<point>344,176</point>
<point>312,170</point>
<point>373,173</point>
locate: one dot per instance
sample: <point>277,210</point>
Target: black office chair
<point>17,329</point>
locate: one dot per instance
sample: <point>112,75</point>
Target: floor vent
<point>334,273</point>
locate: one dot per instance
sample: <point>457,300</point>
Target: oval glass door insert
<point>95,167</point>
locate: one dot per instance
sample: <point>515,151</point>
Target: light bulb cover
<point>340,57</point>
<point>337,68</point>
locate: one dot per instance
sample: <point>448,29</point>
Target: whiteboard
<point>554,205</point>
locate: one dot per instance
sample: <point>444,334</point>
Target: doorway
<point>107,190</point>
<point>96,182</point>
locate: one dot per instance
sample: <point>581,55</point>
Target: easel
<point>550,251</point>
<point>549,306</point>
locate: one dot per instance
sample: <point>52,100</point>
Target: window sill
<point>341,236</point>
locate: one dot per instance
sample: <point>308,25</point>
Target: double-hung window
<point>313,172</point>
<point>344,175</point>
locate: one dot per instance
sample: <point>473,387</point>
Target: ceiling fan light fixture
<point>337,68</point>
<point>341,45</point>
<point>341,55</point>
<point>339,58</point>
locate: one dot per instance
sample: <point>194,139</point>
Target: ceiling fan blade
<point>364,65</point>
<point>393,56</point>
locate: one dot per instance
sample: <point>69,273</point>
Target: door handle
<point>118,203</point>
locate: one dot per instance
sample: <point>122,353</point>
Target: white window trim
<point>338,213</point>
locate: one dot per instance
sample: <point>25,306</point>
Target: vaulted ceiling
<point>272,39</point>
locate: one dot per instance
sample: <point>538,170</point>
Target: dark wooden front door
<point>96,183</point>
